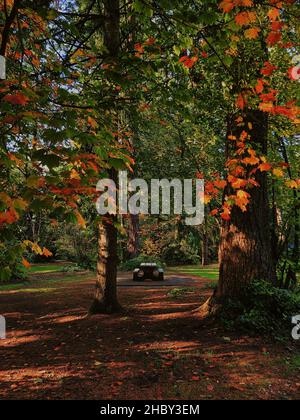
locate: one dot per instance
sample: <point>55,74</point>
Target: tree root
<point>101,307</point>
<point>210,309</point>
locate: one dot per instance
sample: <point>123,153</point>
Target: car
<point>149,271</point>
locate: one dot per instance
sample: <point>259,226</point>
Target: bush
<point>11,267</point>
<point>180,253</point>
<point>130,265</point>
<point>265,310</point>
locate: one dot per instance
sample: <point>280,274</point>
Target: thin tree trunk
<point>105,300</point>
<point>133,244</point>
<point>245,252</point>
<point>205,244</point>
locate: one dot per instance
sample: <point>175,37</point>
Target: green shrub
<point>265,309</point>
<point>71,268</point>
<point>130,265</point>
<point>180,253</point>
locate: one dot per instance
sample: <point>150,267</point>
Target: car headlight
<point>156,273</point>
<point>141,273</point>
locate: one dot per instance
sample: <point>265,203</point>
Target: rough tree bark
<point>245,252</point>
<point>204,251</point>
<point>105,300</point>
<point>133,244</point>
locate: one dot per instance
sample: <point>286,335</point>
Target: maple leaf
<point>9,217</point>
<point>266,107</point>
<point>241,101</point>
<point>277,26</point>
<point>74,175</point>
<point>293,184</point>
<point>226,216</point>
<point>252,160</point>
<point>246,3</point>
<point>47,253</point>
<point>238,183</point>
<point>26,263</point>
<point>242,200</point>
<point>265,167</point>
<point>92,122</point>
<point>139,48</point>
<point>268,69</point>
<point>269,97</point>
<point>252,33</point>
<point>220,184</point>
<point>80,219</point>
<point>273,14</point>
<point>188,62</point>
<point>214,212</point>
<point>278,172</point>
<point>273,38</point>
<point>16,99</point>
<point>244,18</point>
<point>227,6</point>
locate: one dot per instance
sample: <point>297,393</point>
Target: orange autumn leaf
<point>92,122</point>
<point>265,167</point>
<point>241,101</point>
<point>246,3</point>
<point>268,69</point>
<point>47,253</point>
<point>227,6</point>
<point>220,184</point>
<point>266,107</point>
<point>252,33</point>
<point>242,200</point>
<point>26,263</point>
<point>253,160</point>
<point>260,86</point>
<point>278,172</point>
<point>238,183</point>
<point>277,26</point>
<point>80,219</point>
<point>273,38</point>
<point>16,99</point>
<point>214,212</point>
<point>293,184</point>
<point>244,18</point>
<point>226,216</point>
<point>273,14</point>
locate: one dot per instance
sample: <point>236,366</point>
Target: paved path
<point>171,280</point>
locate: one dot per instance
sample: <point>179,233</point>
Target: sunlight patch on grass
<point>44,285</point>
<point>36,290</point>
<point>211,272</point>
<point>47,268</point>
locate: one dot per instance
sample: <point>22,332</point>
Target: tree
<point>105,300</point>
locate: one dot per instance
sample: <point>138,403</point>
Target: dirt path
<point>155,350</point>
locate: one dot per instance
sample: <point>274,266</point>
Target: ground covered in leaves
<point>156,349</point>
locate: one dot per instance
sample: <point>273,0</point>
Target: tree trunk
<point>106,300</point>
<point>205,244</point>
<point>133,245</point>
<point>245,252</point>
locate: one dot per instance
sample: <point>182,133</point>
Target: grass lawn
<point>210,272</point>
<point>38,280</point>
<point>49,267</point>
